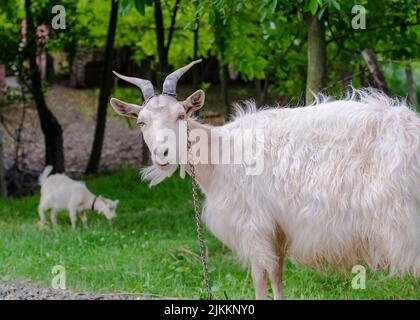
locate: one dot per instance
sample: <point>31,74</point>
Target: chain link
<point>197,211</point>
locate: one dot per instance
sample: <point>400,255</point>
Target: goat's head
<point>106,207</point>
<point>160,115</point>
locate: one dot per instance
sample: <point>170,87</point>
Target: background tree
<point>164,43</point>
<point>3,188</point>
<point>317,60</point>
<point>196,29</point>
<point>105,91</point>
<point>53,133</point>
<point>8,50</point>
<point>219,13</point>
<point>263,43</point>
<point>315,12</point>
<point>390,33</point>
<point>411,86</point>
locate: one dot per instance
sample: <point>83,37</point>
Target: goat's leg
<point>83,217</point>
<point>259,277</point>
<point>73,218</point>
<point>54,216</point>
<point>41,212</point>
<point>276,280</point>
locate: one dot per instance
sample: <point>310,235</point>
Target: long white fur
<point>340,186</point>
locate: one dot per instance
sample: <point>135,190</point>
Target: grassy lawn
<point>151,248</point>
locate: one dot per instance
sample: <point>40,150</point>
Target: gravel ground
<point>27,292</point>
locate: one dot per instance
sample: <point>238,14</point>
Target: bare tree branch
<point>172,25</point>
<point>334,84</point>
<point>350,31</point>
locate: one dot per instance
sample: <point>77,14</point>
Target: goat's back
<point>61,190</point>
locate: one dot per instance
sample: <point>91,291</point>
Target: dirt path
<point>76,112</point>
<point>25,292</point>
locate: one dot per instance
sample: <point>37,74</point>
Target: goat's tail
<point>44,175</point>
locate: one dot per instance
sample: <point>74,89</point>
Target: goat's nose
<point>159,152</point>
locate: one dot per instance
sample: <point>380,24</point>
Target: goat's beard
<point>156,174</point>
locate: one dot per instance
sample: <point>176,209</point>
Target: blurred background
<point>56,59</point>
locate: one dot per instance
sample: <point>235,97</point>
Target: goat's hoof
<point>42,224</point>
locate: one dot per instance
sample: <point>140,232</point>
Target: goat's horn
<point>145,86</point>
<point>169,85</point>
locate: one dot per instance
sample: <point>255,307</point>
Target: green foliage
<point>263,39</point>
<point>318,7</point>
<point>151,248</point>
<point>390,32</point>
<point>9,33</point>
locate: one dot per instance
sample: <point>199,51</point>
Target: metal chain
<point>197,211</point>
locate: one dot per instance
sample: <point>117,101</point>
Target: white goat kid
<point>59,192</point>
<point>339,186</point>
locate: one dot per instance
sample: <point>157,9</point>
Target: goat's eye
<point>181,116</point>
<point>140,123</point>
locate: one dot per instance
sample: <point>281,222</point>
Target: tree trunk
<point>160,39</point>
<point>260,91</point>
<point>163,50</point>
<point>316,72</point>
<point>221,36</point>
<point>362,77</point>
<point>105,92</point>
<point>3,188</point>
<point>265,89</point>
<point>196,80</point>
<point>376,74</point>
<point>171,28</point>
<point>224,86</point>
<point>53,134</point>
<point>411,87</point>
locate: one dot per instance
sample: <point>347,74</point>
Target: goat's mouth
<point>163,165</point>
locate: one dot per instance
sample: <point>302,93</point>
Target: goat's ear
<point>194,102</point>
<point>125,109</point>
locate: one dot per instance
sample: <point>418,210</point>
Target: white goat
<point>340,183</point>
<point>59,192</point>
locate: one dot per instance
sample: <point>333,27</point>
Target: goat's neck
<point>89,198</point>
<point>203,172</point>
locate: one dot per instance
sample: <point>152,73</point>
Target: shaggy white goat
<point>59,192</point>
<point>339,186</point>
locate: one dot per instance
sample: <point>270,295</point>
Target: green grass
<point>152,248</point>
